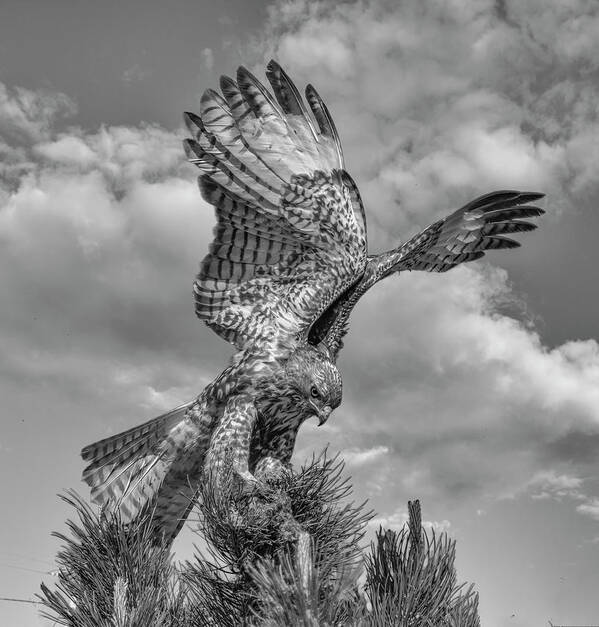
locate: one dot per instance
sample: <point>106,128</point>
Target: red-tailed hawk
<point>288,262</point>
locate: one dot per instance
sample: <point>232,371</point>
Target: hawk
<point>288,262</point>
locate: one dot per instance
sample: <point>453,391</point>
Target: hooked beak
<point>323,415</point>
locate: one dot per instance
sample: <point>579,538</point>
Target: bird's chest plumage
<point>279,419</point>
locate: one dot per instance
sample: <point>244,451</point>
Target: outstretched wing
<point>465,235</point>
<point>468,233</point>
<point>290,234</point>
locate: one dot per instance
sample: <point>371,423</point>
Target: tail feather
<point>127,469</point>
<point>104,464</point>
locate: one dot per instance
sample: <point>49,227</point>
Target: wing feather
<point>325,121</point>
<point>467,233</point>
<point>464,235</point>
<point>257,96</point>
<point>290,234</point>
<point>288,96</point>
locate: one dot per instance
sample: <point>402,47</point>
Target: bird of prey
<point>288,263</point>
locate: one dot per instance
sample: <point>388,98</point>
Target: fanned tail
<point>130,471</point>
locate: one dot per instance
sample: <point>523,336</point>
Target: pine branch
<point>111,574</point>
<point>296,592</point>
<point>257,540</point>
<point>288,556</point>
<point>411,579</point>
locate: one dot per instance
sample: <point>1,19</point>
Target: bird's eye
<point>314,393</point>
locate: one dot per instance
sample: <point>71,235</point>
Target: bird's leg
<point>249,484</point>
<point>272,471</point>
<point>271,506</point>
<point>228,457</point>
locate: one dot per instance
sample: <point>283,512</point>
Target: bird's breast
<point>279,420</point>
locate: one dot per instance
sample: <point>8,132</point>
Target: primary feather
<point>290,233</point>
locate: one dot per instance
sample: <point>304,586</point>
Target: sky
<point>476,391</point>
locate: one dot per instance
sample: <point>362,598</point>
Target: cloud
<point>122,155</point>
<point>448,397</point>
<point>135,74</point>
<point>101,233</point>
<point>467,399</point>
<point>208,58</point>
<point>548,485</point>
<point>399,518</point>
<point>590,508</point>
<point>459,114</point>
<point>354,457</point>
<point>27,115</point>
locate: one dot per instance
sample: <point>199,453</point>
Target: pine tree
<point>289,556</point>
<point>112,574</point>
<point>411,579</point>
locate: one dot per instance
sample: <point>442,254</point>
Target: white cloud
<point>399,518</point>
<point>120,154</point>
<point>354,457</point>
<point>69,149</point>
<point>469,401</point>
<point>550,485</point>
<point>27,115</point>
<point>208,58</point>
<point>135,74</point>
<point>590,508</point>
<point>102,231</point>
<point>101,234</point>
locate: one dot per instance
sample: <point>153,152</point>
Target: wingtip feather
<point>192,149</point>
<point>192,122</point>
<point>273,66</point>
<point>227,83</point>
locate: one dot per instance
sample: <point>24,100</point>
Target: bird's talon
<point>250,486</point>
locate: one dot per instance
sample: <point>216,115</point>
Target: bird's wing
<point>464,235</point>
<point>290,234</point>
<point>467,233</point>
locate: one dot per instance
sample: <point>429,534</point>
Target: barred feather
<point>325,121</point>
<point>468,232</point>
<point>129,468</point>
<point>290,232</point>
<point>288,96</point>
<point>237,104</point>
<point>256,96</point>
<point>462,236</point>
<point>217,137</point>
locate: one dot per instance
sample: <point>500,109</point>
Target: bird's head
<point>315,381</point>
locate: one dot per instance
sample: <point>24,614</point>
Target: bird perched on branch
<point>288,263</point>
